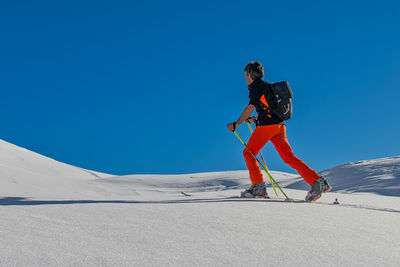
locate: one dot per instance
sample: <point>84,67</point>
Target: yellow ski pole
<point>262,165</point>
<point>262,158</point>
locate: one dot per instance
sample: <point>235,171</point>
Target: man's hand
<point>251,119</point>
<point>231,127</point>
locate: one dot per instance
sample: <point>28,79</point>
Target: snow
<point>57,214</point>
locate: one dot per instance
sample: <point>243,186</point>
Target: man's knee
<point>289,159</point>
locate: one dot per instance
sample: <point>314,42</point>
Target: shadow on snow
<point>21,201</point>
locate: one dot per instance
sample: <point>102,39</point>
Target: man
<point>270,127</point>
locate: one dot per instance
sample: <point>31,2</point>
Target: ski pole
<point>262,158</point>
<point>265,169</point>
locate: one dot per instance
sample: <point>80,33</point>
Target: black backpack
<point>282,100</point>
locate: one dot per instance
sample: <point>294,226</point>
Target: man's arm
<point>248,110</point>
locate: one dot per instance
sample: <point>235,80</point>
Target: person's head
<point>253,71</point>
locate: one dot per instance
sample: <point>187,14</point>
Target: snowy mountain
<point>56,214</point>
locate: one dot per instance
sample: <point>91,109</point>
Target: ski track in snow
<point>55,214</point>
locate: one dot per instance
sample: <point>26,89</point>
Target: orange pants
<point>277,134</point>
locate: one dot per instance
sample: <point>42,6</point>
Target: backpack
<point>282,100</point>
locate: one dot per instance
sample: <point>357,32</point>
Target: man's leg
<point>260,136</point>
<point>285,151</point>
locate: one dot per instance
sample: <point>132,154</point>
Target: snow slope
<point>27,173</point>
<point>54,214</point>
<point>378,176</point>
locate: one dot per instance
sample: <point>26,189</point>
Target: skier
<point>270,127</point>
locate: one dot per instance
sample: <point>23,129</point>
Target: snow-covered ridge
<point>378,176</point>
<point>26,173</point>
<point>18,158</point>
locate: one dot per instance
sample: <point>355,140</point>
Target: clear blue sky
<point>129,87</point>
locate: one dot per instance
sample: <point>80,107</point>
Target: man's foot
<point>320,186</point>
<point>258,190</point>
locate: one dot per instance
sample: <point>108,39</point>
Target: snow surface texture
<point>55,214</point>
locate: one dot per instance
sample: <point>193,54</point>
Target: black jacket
<point>260,95</point>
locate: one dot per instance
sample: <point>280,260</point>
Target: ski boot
<point>320,186</point>
<point>258,190</point>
